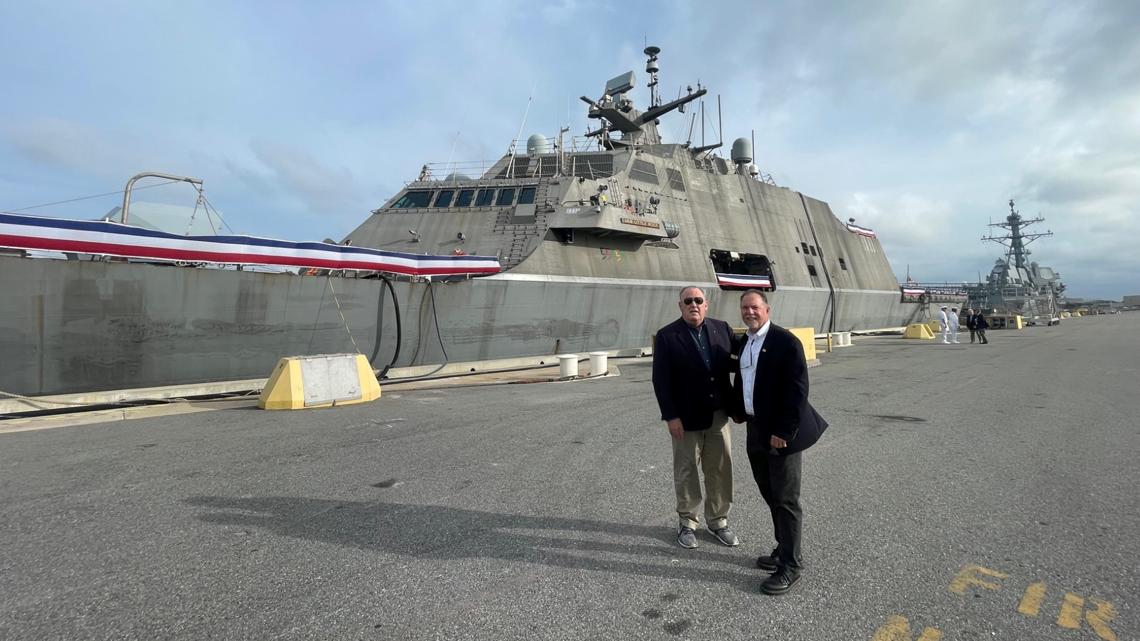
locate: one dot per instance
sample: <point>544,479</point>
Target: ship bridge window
<point>506,197</point>
<point>485,198</point>
<point>444,197</point>
<point>417,198</point>
<point>644,171</point>
<point>675,179</point>
<point>526,195</point>
<point>464,198</point>
<point>737,270</point>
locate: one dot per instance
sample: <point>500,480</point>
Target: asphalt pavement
<point>961,492</point>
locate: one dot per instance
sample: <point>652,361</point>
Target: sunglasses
<point>697,299</point>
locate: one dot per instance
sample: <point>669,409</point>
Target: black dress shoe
<point>780,582</point>
<point>767,562</point>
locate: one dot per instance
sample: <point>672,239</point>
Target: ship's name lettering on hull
<point>641,223</point>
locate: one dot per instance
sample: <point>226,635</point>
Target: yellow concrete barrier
<point>807,337</point>
<point>302,382</point>
<point>919,330</point>
<point>934,326</point>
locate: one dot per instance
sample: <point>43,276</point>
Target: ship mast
<point>1016,239</point>
<point>617,112</point>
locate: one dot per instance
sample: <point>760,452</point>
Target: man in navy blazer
<point>692,360</point>
<point>772,394</point>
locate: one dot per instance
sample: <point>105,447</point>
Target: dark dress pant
<point>779,480</point>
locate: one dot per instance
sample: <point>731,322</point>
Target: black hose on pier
<point>380,327</point>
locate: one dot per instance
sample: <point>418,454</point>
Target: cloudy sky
<point>919,119</point>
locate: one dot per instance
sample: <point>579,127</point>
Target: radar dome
<point>741,151</point>
<point>454,177</point>
<point>537,144</point>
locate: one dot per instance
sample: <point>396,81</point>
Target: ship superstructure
<point>1016,285</point>
<point>635,215</point>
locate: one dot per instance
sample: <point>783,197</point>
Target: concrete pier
<point>979,491</point>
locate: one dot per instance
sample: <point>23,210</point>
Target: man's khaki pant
<point>711,451</point>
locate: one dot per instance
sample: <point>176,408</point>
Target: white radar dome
<point>537,144</point>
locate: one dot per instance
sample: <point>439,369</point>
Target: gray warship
<point>1015,285</point>
<point>593,238</point>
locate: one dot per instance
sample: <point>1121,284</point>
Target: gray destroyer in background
<point>1015,285</point>
<point>594,239</point>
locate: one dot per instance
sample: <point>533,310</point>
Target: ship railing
<point>551,163</point>
<point>913,292</point>
<point>572,144</point>
<point>455,172</point>
<point>958,289</point>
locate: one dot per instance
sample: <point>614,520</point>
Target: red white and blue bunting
<point>862,231</point>
<point>743,281</point>
<point>116,239</point>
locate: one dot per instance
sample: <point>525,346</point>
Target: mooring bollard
<point>599,363</point>
<point>567,365</point>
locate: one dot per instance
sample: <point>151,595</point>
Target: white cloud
<point>320,188</point>
<point>914,232</point>
<point>60,143</point>
<point>919,119</point>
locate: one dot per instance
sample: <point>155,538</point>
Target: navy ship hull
<point>78,326</point>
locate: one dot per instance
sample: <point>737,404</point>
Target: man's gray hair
<point>687,288</point>
<point>762,295</point>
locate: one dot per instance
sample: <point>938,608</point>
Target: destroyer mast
<point>1015,285</point>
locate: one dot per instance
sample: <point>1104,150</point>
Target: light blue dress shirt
<point>748,359</point>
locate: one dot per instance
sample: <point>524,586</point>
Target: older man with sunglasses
<point>692,360</point>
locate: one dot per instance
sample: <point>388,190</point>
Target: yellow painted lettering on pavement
<point>971,575</point>
<point>898,629</point>
<point>1074,606</point>
<point>1070,616</point>
<point>1098,619</point>
<point>1031,603</point>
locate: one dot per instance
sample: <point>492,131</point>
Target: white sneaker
<point>945,342</point>
<point>956,342</point>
